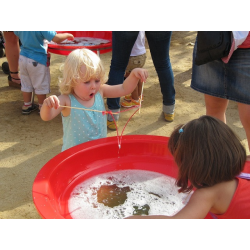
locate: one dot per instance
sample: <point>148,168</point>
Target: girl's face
<point>87,90</point>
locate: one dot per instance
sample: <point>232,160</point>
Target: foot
<point>15,77</point>
<point>132,103</point>
<point>15,83</point>
<point>129,97</point>
<point>111,125</point>
<point>169,117</point>
<point>26,110</point>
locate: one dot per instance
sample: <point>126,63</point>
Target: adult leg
<point>12,51</point>
<point>244,113</point>
<point>216,107</point>
<point>159,43</point>
<point>122,44</point>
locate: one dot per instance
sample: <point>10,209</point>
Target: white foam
<point>83,202</point>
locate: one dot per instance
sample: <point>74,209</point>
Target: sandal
<point>14,84</point>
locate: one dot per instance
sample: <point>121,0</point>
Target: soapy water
<point>82,41</point>
<point>147,188</point>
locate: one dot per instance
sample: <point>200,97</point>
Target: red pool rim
<point>100,48</point>
<point>57,178</point>
<point>72,166</point>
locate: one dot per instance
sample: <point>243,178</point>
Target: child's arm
<point>198,207</point>
<point>58,38</point>
<point>51,107</point>
<point>128,85</point>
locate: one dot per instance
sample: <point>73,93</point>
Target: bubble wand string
<point>119,138</point>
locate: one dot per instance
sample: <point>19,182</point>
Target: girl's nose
<point>93,86</point>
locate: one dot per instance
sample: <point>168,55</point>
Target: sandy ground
<point>27,142</point>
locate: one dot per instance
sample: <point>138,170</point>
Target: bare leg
<point>216,107</point>
<point>12,53</point>
<point>139,88</point>
<point>126,74</point>
<point>135,94</point>
<point>137,91</point>
<point>244,113</point>
<point>27,96</point>
<point>41,98</point>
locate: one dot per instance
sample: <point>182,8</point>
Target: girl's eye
<point>97,81</point>
<point>87,82</point>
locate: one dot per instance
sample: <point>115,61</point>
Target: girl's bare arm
<point>198,207</point>
<point>58,38</point>
<point>127,86</point>
<point>51,106</point>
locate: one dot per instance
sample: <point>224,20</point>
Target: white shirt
<point>139,46</point>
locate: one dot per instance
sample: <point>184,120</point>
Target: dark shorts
<point>229,81</point>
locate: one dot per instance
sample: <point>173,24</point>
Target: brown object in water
<point>112,195</point>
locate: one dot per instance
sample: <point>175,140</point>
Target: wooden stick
<point>86,109</point>
<point>80,108</point>
<point>141,96</point>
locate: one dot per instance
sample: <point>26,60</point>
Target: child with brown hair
<point>210,158</point>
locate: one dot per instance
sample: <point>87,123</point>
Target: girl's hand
<point>52,102</point>
<point>140,73</point>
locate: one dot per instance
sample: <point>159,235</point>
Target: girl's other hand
<point>52,102</point>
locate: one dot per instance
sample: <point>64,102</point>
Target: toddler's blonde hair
<point>72,69</point>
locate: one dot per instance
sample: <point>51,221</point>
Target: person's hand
<point>70,37</point>
<point>52,102</point>
<point>141,74</point>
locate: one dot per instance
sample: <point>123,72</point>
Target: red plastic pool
<point>101,48</point>
<point>56,180</point>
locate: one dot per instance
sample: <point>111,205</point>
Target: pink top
<point>246,43</point>
<point>239,207</point>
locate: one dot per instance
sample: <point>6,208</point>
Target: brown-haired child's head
<point>207,152</point>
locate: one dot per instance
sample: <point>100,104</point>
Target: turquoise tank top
<point>84,125</point>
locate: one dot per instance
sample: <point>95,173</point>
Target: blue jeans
<point>159,43</point>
